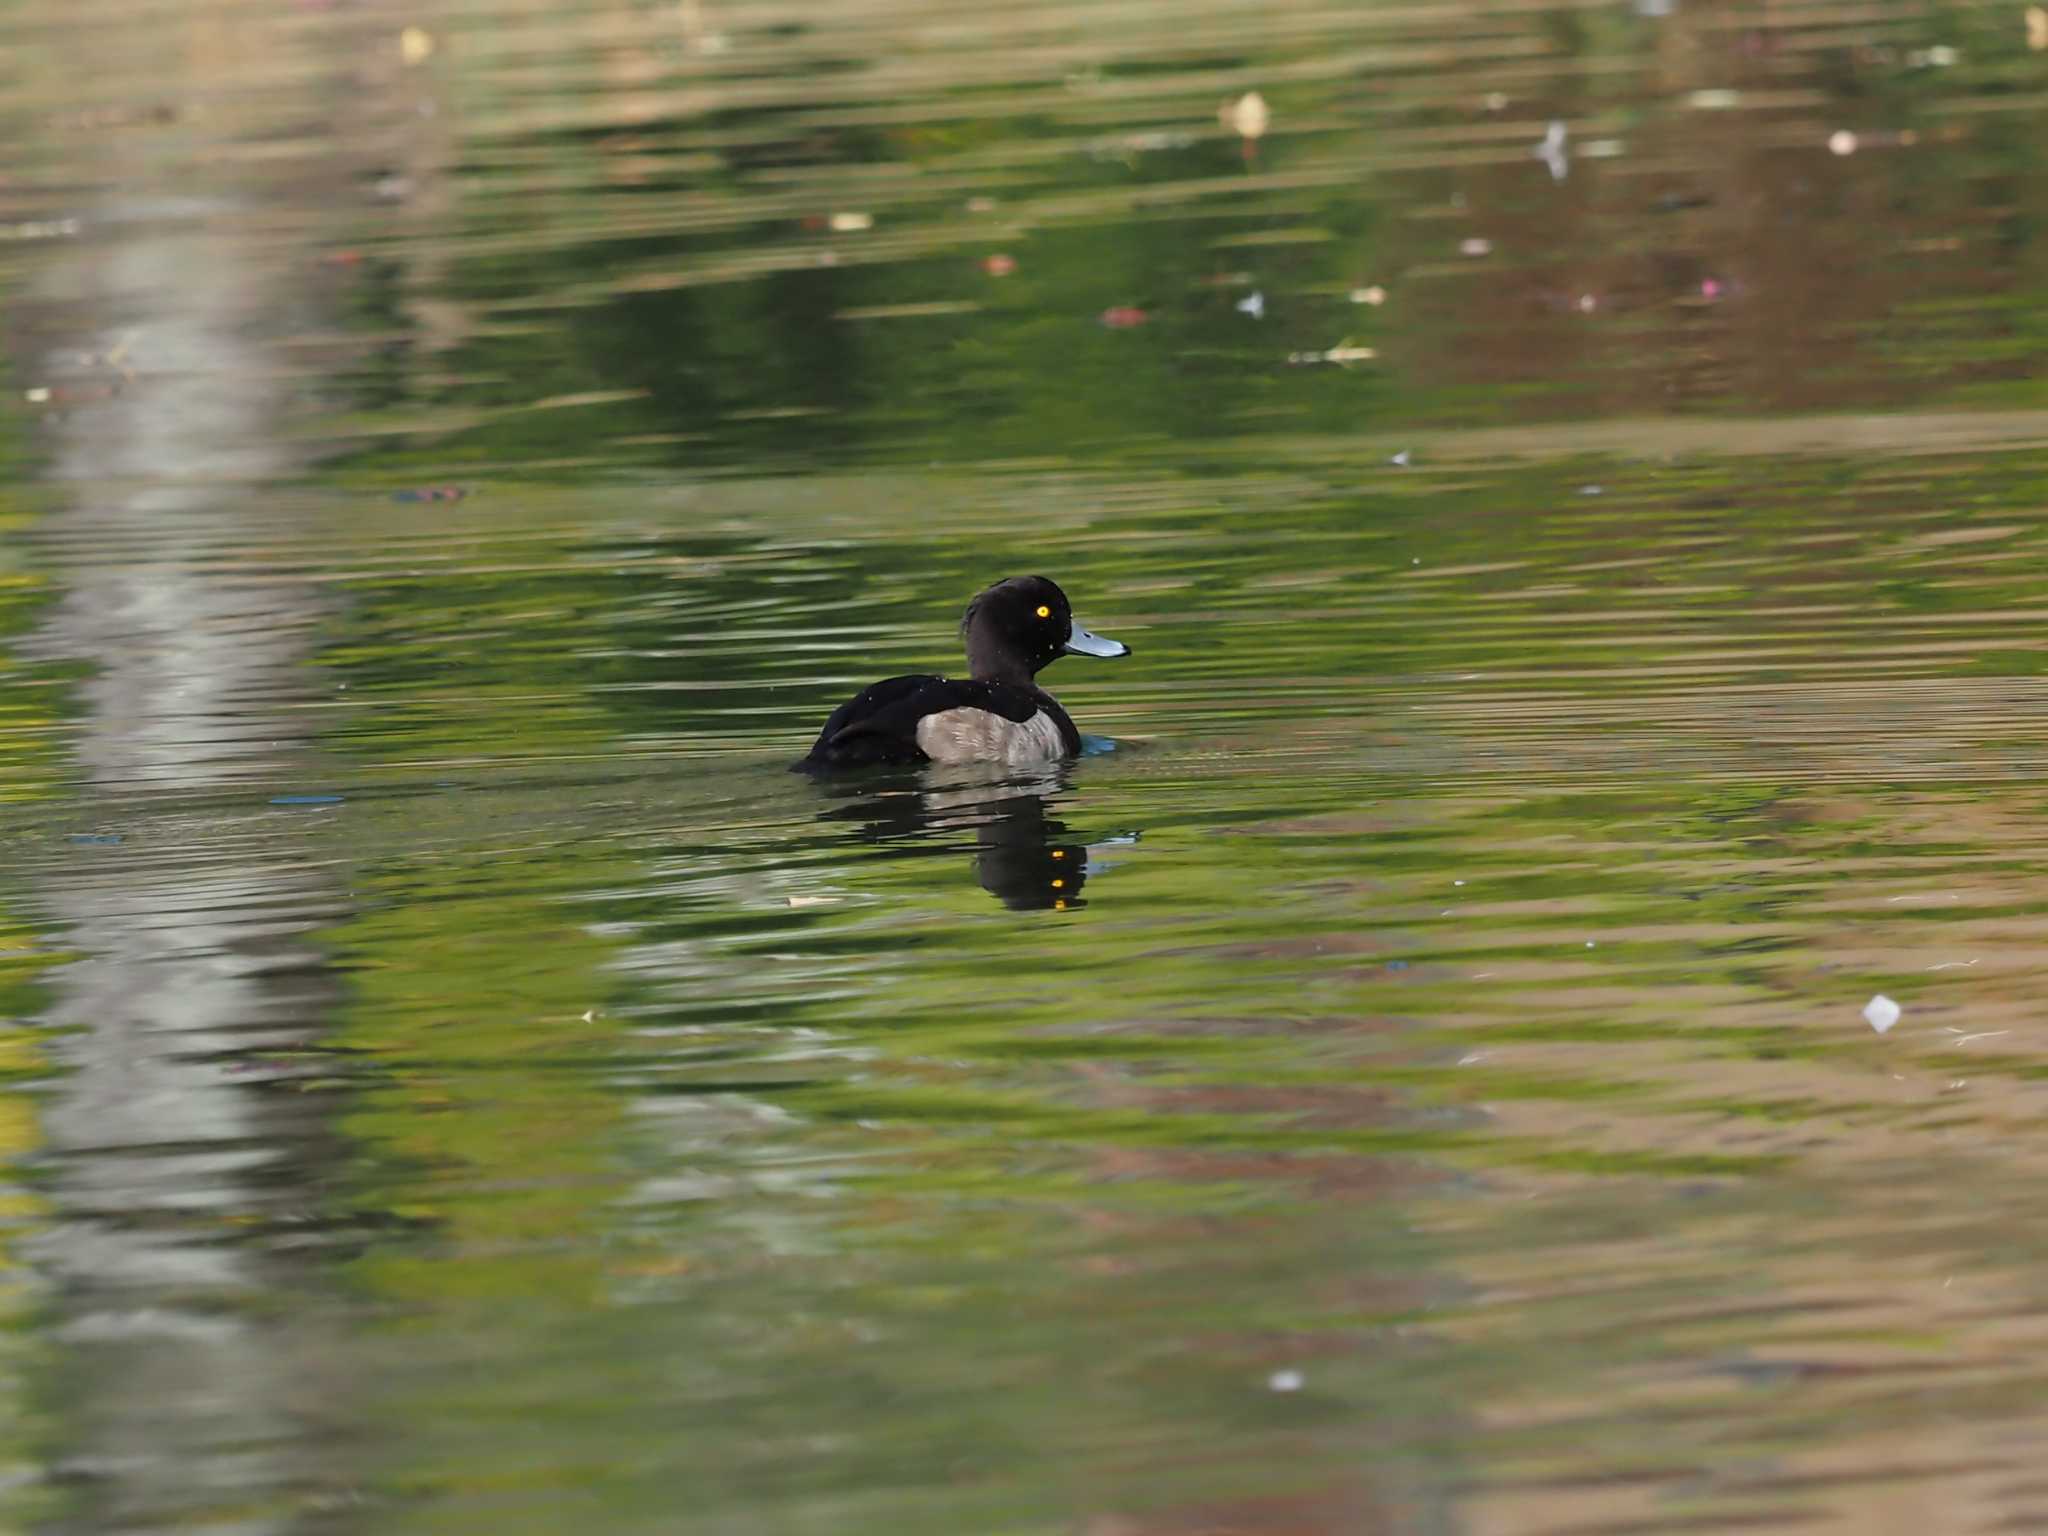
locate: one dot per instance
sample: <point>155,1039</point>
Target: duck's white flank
<point>982,736</point>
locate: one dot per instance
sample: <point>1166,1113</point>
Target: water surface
<point>1409,1076</point>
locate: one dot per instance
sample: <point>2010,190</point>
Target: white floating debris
<point>1248,114</point>
<point>1714,100</point>
<point>1552,152</point>
<point>1881,1013</point>
<point>39,229</point>
<point>2037,28</point>
<point>1403,458</point>
<point>1344,354</point>
<point>1841,142</point>
<point>1478,245</point>
<point>850,223</point>
<point>40,395</point>
<point>1496,101</point>
<point>814,901</point>
<point>1374,294</point>
<point>415,46</point>
<point>1286,1381</point>
<point>1253,305</point>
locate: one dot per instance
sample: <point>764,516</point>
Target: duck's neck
<point>992,664</point>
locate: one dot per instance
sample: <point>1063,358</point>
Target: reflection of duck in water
<point>1023,855</point>
<point>1013,631</point>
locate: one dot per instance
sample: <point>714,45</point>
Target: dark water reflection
<point>1024,855</point>
<point>1588,627</point>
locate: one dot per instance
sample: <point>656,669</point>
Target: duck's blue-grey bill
<point>1081,643</point>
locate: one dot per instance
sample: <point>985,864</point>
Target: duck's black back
<point>879,724</point>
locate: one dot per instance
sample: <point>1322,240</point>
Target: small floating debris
<point>40,229</point>
<point>999,264</point>
<point>1372,294</point>
<point>1247,116</point>
<point>1841,142</point>
<point>814,901</point>
<point>415,46</point>
<point>1714,100</point>
<point>1550,149</point>
<point>981,205</point>
<point>1343,355</point>
<point>40,395</point>
<point>1286,1381</point>
<point>1881,1013</point>
<point>1496,101</point>
<point>1123,317</point>
<point>96,839</point>
<point>1477,245</point>
<point>430,493</point>
<point>1940,56</point>
<point>1587,303</point>
<point>1254,305</point>
<point>305,799</point>
<point>1710,288</point>
<point>2037,28</point>
<point>1128,146</point>
<point>850,223</point>
<point>1402,460</point>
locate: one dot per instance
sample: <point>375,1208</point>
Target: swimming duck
<point>1013,631</point>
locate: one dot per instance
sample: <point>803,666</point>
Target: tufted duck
<point>1000,714</point>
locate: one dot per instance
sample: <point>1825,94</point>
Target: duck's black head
<point>1020,626</point>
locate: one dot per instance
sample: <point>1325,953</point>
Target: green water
<point>1410,1075</point>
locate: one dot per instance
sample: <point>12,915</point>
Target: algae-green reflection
<point>763,253</point>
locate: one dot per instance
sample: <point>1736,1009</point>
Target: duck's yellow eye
<point>1044,612</point>
<point>1059,853</point>
<point>1058,884</point>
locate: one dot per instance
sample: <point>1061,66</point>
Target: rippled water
<point>1410,1075</point>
